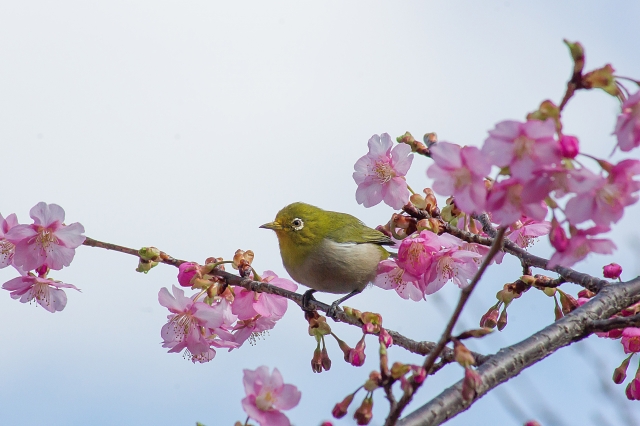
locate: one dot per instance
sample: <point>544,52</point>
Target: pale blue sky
<point>186,125</point>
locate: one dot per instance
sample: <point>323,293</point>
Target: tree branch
<point>512,360</point>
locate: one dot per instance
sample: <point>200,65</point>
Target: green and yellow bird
<point>328,251</point>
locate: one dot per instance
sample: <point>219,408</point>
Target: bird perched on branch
<point>328,251</point>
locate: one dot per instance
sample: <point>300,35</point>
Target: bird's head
<point>300,226</point>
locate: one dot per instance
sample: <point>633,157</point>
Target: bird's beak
<point>271,225</point>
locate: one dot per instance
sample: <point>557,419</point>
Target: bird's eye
<point>297,224</point>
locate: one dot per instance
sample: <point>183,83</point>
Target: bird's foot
<point>333,309</point>
<point>306,298</point>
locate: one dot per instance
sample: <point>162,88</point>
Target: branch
<point>420,348</point>
<point>512,360</point>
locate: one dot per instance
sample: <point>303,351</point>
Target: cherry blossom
<point>247,304</point>
<point>252,329</point>
<point>267,395</point>
<point>45,291</point>
<point>452,264</point>
<point>569,146</point>
<point>525,231</point>
<point>48,241</point>
<point>603,200</point>
<point>523,147</point>
<point>580,245</point>
<point>190,323</point>
<point>507,204</point>
<point>628,125</point>
<point>391,276</point>
<point>186,272</point>
<point>416,252</point>
<point>460,172</point>
<point>380,174</point>
<point>7,248</point>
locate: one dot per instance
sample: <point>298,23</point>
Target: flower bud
<point>587,294</point>
<point>612,271</point>
<point>620,373</point>
<point>569,146</point>
<point>399,369</point>
<point>577,54</point>
<point>340,410</point>
<point>316,361</point>
<point>502,321</point>
<point>470,384</point>
<point>42,271</point>
<point>602,78</point>
<point>325,360</point>
<point>462,355</point>
<point>490,319</point>
<point>354,313</point>
<point>356,355</point>
<point>242,258</point>
<point>419,374</point>
<point>186,272</point>
<point>532,423</point>
<point>149,253</point>
<point>145,265</point>
<point>558,237</point>
<point>364,413</point>
<point>418,201</point>
<point>326,424</point>
<point>373,383</point>
<point>385,338</point>
<point>568,302</point>
<point>633,389</point>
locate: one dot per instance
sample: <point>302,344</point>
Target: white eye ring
<point>297,224</point>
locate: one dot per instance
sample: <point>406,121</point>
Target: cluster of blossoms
<point>218,316</point>
<point>537,168</point>
<point>33,250</point>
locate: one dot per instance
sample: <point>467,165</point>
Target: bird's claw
<point>333,310</point>
<point>306,298</point>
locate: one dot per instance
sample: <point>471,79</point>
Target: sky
<point>186,125</point>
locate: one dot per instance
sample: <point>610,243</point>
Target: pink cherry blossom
<point>628,126</point>
<point>252,329</point>
<point>267,395</point>
<point>526,230</point>
<point>460,172</point>
<point>523,147</point>
<point>247,304</point>
<point>189,324</point>
<point>580,245</point>
<point>391,276</point>
<point>45,291</point>
<point>48,241</point>
<point>7,248</point>
<point>631,340</point>
<point>415,253</point>
<point>380,174</point>
<point>612,271</point>
<point>604,199</point>
<point>507,204</point>
<point>452,264</point>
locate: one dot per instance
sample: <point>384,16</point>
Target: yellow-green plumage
<point>328,251</point>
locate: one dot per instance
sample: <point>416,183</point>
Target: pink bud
<point>569,146</point>
<point>470,383</point>
<point>633,389</point>
<point>340,410</point>
<point>385,338</point>
<point>620,373</point>
<point>186,272</point>
<point>612,271</point>
<point>558,238</point>
<point>357,356</point>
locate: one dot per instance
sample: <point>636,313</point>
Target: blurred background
<point>186,125</point>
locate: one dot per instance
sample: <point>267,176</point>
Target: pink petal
<point>168,301</point>
<point>19,233</point>
<point>58,257</point>
<point>446,155</point>
<point>395,193</point>
<point>242,305</point>
<point>45,215</point>
<point>369,193</point>
<point>288,397</point>
<point>70,236</point>
<point>377,146</point>
<point>402,159</point>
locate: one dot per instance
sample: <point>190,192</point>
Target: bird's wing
<point>364,235</point>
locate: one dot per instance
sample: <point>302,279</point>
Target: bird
<point>328,251</point>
